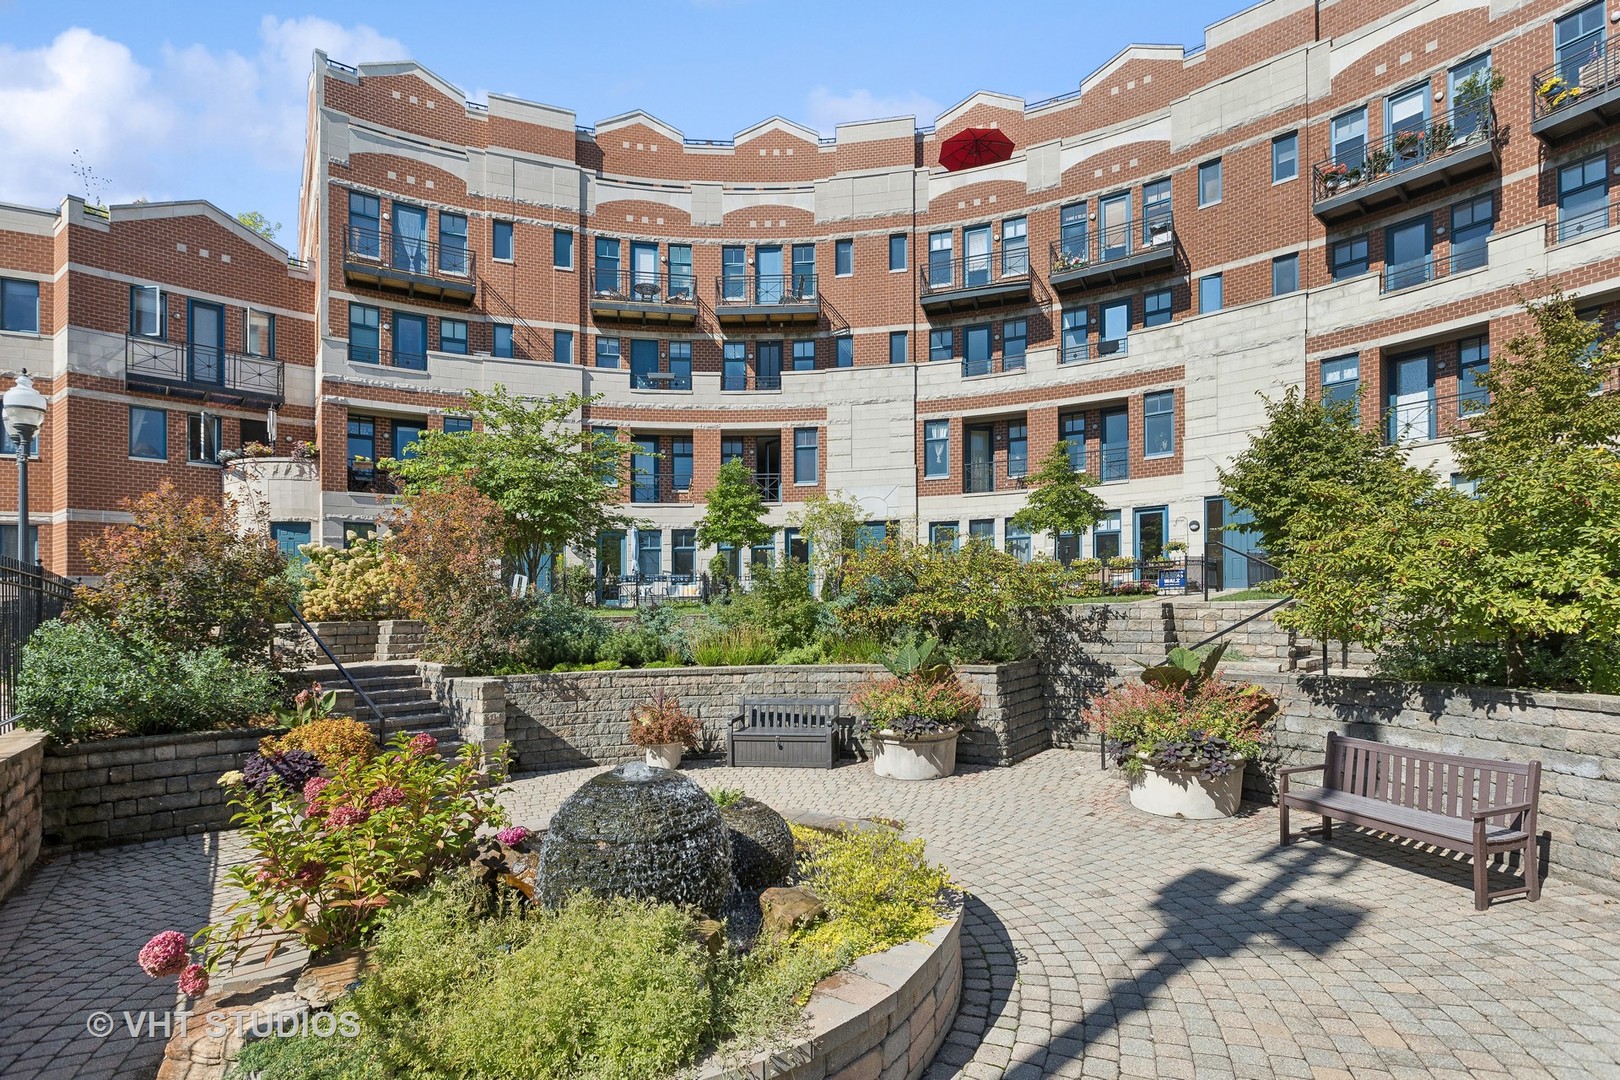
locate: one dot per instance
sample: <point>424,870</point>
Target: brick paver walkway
<point>1100,941</point>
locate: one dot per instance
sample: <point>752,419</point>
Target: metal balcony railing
<point>944,275</point>
<point>660,380</point>
<point>1420,418</point>
<point>769,485</point>
<point>609,282</point>
<point>1114,463</point>
<point>764,381</point>
<point>1079,252</point>
<point>1461,128</point>
<point>1075,352</point>
<point>1433,267</point>
<point>188,367</point>
<point>982,365</point>
<point>1580,225</point>
<point>978,476</point>
<point>1570,81</point>
<point>413,256</point>
<point>734,380</point>
<point>369,480</point>
<point>645,488</point>
<point>761,290</point>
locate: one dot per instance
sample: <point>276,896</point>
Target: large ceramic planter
<point>1179,794</point>
<point>914,757</point>
<point>664,756</point>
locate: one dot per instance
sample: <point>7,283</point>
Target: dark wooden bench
<point>1461,803</point>
<point>784,732</point>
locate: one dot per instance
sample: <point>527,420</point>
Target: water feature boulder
<point>761,844</point>
<point>640,832</point>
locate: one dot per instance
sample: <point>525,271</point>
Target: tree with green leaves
<point>1062,500</point>
<point>830,524</point>
<point>555,483</point>
<point>735,511</point>
<point>259,223</point>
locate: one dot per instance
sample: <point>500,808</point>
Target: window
<point>1156,213</point>
<point>562,345</point>
<point>147,305</point>
<point>1105,536</point>
<point>202,438</point>
<point>683,552</point>
<point>365,226</point>
<point>937,448</point>
<point>1349,138</point>
<point>1115,446</point>
<point>734,374</point>
<point>406,435</point>
<point>453,336</point>
<point>844,258</point>
<point>1114,327</point>
<point>1072,431</point>
<point>897,251</point>
<point>941,247</point>
<point>897,347</point>
<point>259,333</point>
<point>362,440</point>
<point>1408,248</point>
<point>680,456</point>
<point>733,273</point>
<point>609,437</point>
<point>943,534</point>
<point>976,353</point>
<point>1156,308</point>
<point>768,365</point>
<point>682,285</point>
<point>1072,236</point>
<point>643,363</point>
<point>941,344</point>
<point>364,340</point>
<point>1349,258</point>
<point>1014,343</point>
<point>1583,198</point>
<point>247,431</point>
<point>605,274</point>
<point>1463,484</point>
<point>804,271</point>
<point>804,455</point>
<point>1473,360</point>
<point>562,249</point>
<point>762,554</point>
<point>1017,448</point>
<point>501,345</point>
<point>649,553</point>
<point>1470,96</point>
<point>607,352</point>
<point>680,365</point>
<point>1341,378</point>
<point>452,243</point>
<point>8,542</point>
<point>1076,346</point>
<point>456,425</point>
<point>353,531</point>
<point>731,449</point>
<point>1209,183</point>
<point>148,434</point>
<point>19,306</point>
<point>1015,247</point>
<point>804,356</point>
<point>1577,40</point>
<point>501,241</point>
<point>1285,274</point>
<point>1471,224</point>
<point>1411,398</point>
<point>410,341</point>
<point>846,351</point>
<point>1159,424</point>
<point>982,530</point>
<point>1017,542</point>
<point>1285,157</point>
<point>1209,293</point>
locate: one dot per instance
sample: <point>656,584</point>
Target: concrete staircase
<point>399,694</point>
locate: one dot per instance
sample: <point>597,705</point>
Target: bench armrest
<point>1284,774</point>
<point>1493,811</point>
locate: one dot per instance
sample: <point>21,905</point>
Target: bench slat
<point>1400,819</point>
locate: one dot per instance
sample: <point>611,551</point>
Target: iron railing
<point>982,365</point>
<point>1433,267</point>
<point>638,590</point>
<point>942,275</point>
<point>660,380</point>
<point>371,480</point>
<point>1437,416</point>
<point>1217,559</point>
<point>1565,83</point>
<point>189,366</point>
<point>1456,130</point>
<point>767,380</point>
<point>978,476</point>
<point>359,692</point>
<point>659,489</point>
<point>1075,352</point>
<point>1578,226</point>
<point>412,255</point>
<point>1113,463</point>
<point>1083,250</point>
<point>732,380</point>
<point>609,281</point>
<point>760,290</point>
<point>29,596</point>
<point>769,485</point>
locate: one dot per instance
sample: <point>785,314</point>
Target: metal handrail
<point>178,363</point>
<point>1250,557</point>
<point>527,342</point>
<point>610,282</point>
<point>1564,83</point>
<point>410,255</point>
<point>756,290</point>
<point>974,271</point>
<point>1580,226</point>
<point>341,670</point>
<point>1455,130</point>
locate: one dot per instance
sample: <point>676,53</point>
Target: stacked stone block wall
<point>21,808</point>
<point>356,642</point>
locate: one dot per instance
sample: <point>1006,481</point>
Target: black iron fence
<point>29,595</point>
<point>755,290</point>
<point>609,281</point>
<point>944,274</point>
<point>154,363</point>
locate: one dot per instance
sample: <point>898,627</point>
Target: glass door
<point>1577,41</point>
<point>1470,106</point>
<point>976,255</point>
<point>643,363</point>
<point>1116,445</point>
<point>1115,234</point>
<point>980,463</point>
<point>644,272</point>
<point>644,470</point>
<point>768,275</point>
<point>1407,123</point>
<point>205,343</point>
<point>1406,254</point>
<point>405,437</point>
<point>1411,399</point>
<point>1350,139</point>
<point>768,467</point>
<point>768,366</point>
<point>410,238</point>
<point>1152,526</point>
<point>1072,234</point>
<point>609,564</point>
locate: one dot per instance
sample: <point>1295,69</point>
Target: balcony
<point>643,296</point>
<point>1406,164</point>
<point>978,477</point>
<point>1420,417</point>
<point>767,300</point>
<point>1578,226</point>
<point>1573,98</point>
<point>976,281</point>
<point>1119,253</point>
<point>769,485</point>
<point>411,267</point>
<point>1113,463</point>
<point>1434,267</point>
<point>1078,352</point>
<point>366,480</point>
<point>660,489</point>
<point>203,372</point>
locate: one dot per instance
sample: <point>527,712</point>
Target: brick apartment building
<point>1322,195</point>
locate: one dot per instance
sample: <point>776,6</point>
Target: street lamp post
<point>24,413</point>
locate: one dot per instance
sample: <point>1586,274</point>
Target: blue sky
<point>206,100</point>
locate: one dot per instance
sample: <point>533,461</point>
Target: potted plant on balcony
<point>305,451</point>
<point>1336,175</point>
<point>1182,735</point>
<point>662,728</point>
<point>913,716</point>
<point>1409,144</point>
<point>1378,162</point>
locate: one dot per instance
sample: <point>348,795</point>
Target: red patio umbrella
<point>974,146</point>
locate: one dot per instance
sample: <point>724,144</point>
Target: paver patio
<point>1100,941</point>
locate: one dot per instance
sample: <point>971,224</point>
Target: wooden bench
<point>1460,803</point>
<point>784,732</point>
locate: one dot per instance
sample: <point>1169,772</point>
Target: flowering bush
<point>912,705</point>
<point>512,835</point>
<point>262,773</point>
<point>662,721</point>
<point>333,741</point>
<point>308,705</point>
<point>357,582</point>
<point>165,954</point>
<point>1209,730</point>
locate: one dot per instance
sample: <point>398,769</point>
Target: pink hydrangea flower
<point>423,744</point>
<point>342,817</point>
<point>194,981</point>
<point>387,795</point>
<point>313,787</point>
<point>310,874</point>
<point>165,954</point>
<point>512,835</point>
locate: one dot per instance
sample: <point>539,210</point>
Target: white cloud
<point>827,109</point>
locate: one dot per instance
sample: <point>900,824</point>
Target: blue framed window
<point>945,534</point>
<point>362,439</point>
<point>1105,536</point>
<point>1471,225</point>
<point>1341,378</point>
<point>501,241</point>
<point>452,243</point>
<point>1017,448</point>
<point>1412,398</point>
<point>897,251</point>
<point>898,348</point>
<point>1408,253</point>
<point>453,336</point>
<point>1209,293</point>
<point>364,338</point>
<point>148,312</point>
<point>680,365</point>
<point>148,434</point>
<point>937,448</point>
<point>1115,327</point>
<point>643,363</point>
<point>259,332</point>
<point>976,350</point>
<point>8,445</point>
<point>410,341</point>
<point>1015,247</point>
<point>941,251</point>
<point>562,249</point>
<point>734,273</point>
<point>1076,343</point>
<point>1285,274</point>
<point>682,285</point>
<point>1156,308</point>
<point>562,346</point>
<point>8,543</point>
<point>406,436</point>
<point>1014,344</point>
<point>731,449</point>
<point>1115,447</point>
<point>605,272</point>
<point>871,534</point>
<point>1349,138</point>
<point>806,442</point>
<point>1159,424</point>
<point>804,356</point>
<point>501,343</point>
<point>607,352</point>
<point>843,258</point>
<point>457,425</point>
<point>1072,233</point>
<point>680,462</point>
<point>982,531</point>
<point>649,552</point>
<point>804,270</point>
<point>1017,541</point>
<point>365,225</point>
<point>1157,214</point>
<point>1072,431</point>
<point>734,368</point>
<point>203,437</point>
<point>763,554</point>
<point>683,552</point>
<point>845,347</point>
<point>1209,183</point>
<point>1583,197</point>
<point>19,306</point>
<point>1285,157</point>
<point>409,250</point>
<point>941,344</point>
<point>1473,360</point>
<point>1350,258</point>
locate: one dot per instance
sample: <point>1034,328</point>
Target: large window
<point>364,340</point>
<point>734,273</point>
<point>941,344</point>
<point>406,435</point>
<point>1471,224</point>
<point>1583,197</point>
<point>1469,92</point>
<point>1076,346</point>
<point>804,356</point>
<point>682,283</point>
<point>562,346</point>
<point>1473,360</point>
<point>1115,326</point>
<point>768,365</point>
<point>643,363</point>
<point>1285,274</point>
<point>19,306</point>
<point>146,307</point>
<point>1411,398</point>
<point>983,531</point>
<point>1406,118</point>
<point>259,332</point>
<point>409,249</point>
<point>1341,378</point>
<point>1017,542</point>
<point>365,225</point>
<point>1209,293</point>
<point>1408,251</point>
<point>1072,234</point>
<point>734,371</point>
<point>844,258</point>
<point>605,273</point>
<point>1014,343</point>
<point>1156,307</point>
<point>501,241</point>
<point>804,270</point>
<point>1159,424</point>
<point>1285,157</point>
<point>680,365</point>
<point>1209,183</point>
<point>562,249</point>
<point>453,336</point>
<point>1577,40</point>
<point>804,455</point>
<point>1072,432</point>
<point>941,249</point>
<point>649,553</point>
<point>944,534</point>
<point>844,347</point>
<point>897,347</point>
<point>1156,210</point>
<point>937,448</point>
<point>202,438</point>
<point>680,462</point>
<point>607,352</point>
<point>148,434</point>
<point>683,552</point>
<point>410,341</point>
<point>1015,247</point>
<point>501,340</point>
<point>1115,448</point>
<point>897,251</point>
<point>1349,258</point>
<point>1017,448</point>
<point>452,243</point>
<point>1350,138</point>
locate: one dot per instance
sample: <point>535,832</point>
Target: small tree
<point>735,511</point>
<point>186,574</point>
<point>831,525</point>
<point>259,223</point>
<point>1062,500</point>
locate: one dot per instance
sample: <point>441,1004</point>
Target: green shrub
<point>556,632</point>
<point>739,646</point>
<point>82,680</point>
<point>576,583</point>
<point>813,653</point>
<point>879,889</point>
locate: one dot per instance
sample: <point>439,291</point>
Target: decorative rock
<point>785,910</point>
<point>640,832</point>
<point>323,982</point>
<point>761,844</point>
<point>711,934</point>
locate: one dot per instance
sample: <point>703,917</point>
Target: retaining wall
<point>21,807</point>
<point>357,642</point>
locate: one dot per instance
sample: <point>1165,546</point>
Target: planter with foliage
<point>914,716</point>
<point>662,728</point>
